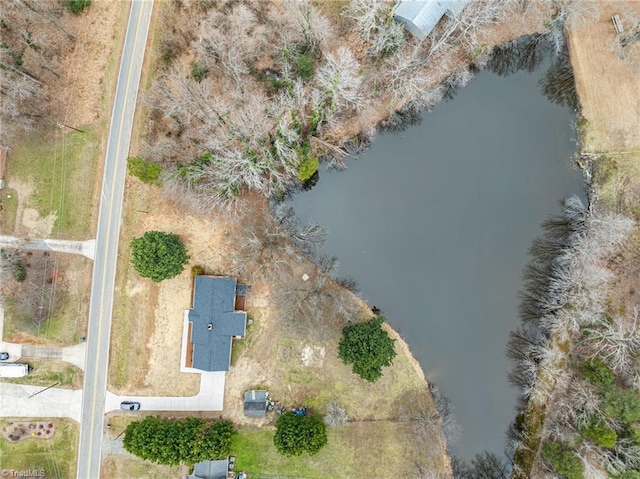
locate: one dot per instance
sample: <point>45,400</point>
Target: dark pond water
<point>435,224</point>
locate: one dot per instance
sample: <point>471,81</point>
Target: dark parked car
<point>4,356</point>
<point>129,406</point>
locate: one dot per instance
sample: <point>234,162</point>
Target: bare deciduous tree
<point>377,25</point>
<point>313,27</point>
<point>336,414</point>
<point>616,341</point>
<point>340,79</point>
<point>33,39</point>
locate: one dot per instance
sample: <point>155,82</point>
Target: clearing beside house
<point>609,88</point>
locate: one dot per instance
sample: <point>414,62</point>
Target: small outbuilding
<point>421,16</point>
<point>255,403</point>
<point>210,470</point>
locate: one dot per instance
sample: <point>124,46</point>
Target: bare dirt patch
<point>608,89</point>
<point>28,221</point>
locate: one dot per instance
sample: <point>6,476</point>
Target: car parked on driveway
<point>4,356</point>
<point>129,405</point>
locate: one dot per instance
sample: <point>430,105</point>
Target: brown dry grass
<point>148,318</point>
<point>608,89</point>
<point>87,83</point>
<point>67,322</point>
<point>134,468</point>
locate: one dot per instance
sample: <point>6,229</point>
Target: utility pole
<point>38,392</point>
<point>60,125</point>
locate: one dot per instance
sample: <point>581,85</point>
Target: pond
<point>435,223</point>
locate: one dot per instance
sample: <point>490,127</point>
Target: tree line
<point>574,358</point>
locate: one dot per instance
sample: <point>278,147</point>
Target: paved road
<point>106,250</point>
<point>85,248</point>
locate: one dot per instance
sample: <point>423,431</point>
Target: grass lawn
<point>134,468</point>
<point>349,453</point>
<point>239,345</point>
<point>55,456</point>
<point>8,211</point>
<point>44,372</point>
<point>62,168</point>
<point>618,184</point>
<point>255,453</point>
<point>120,362</point>
<point>118,423</point>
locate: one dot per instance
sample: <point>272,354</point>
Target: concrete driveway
<point>71,354</point>
<point>16,400</point>
<point>210,398</point>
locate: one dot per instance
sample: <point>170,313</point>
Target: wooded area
<point>35,36</point>
<point>252,96</point>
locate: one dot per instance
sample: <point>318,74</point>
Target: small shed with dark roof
<point>210,470</point>
<point>421,16</point>
<point>255,403</point>
<point>214,322</point>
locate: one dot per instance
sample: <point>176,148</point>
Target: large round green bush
<point>368,347</point>
<point>298,434</point>
<point>157,255</point>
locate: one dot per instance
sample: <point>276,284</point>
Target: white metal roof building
<point>420,16</point>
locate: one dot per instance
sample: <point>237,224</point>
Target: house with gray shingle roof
<point>213,321</point>
<point>421,16</point>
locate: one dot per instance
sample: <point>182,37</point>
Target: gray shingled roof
<point>420,16</point>
<point>255,403</point>
<point>213,303</point>
<point>210,470</point>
